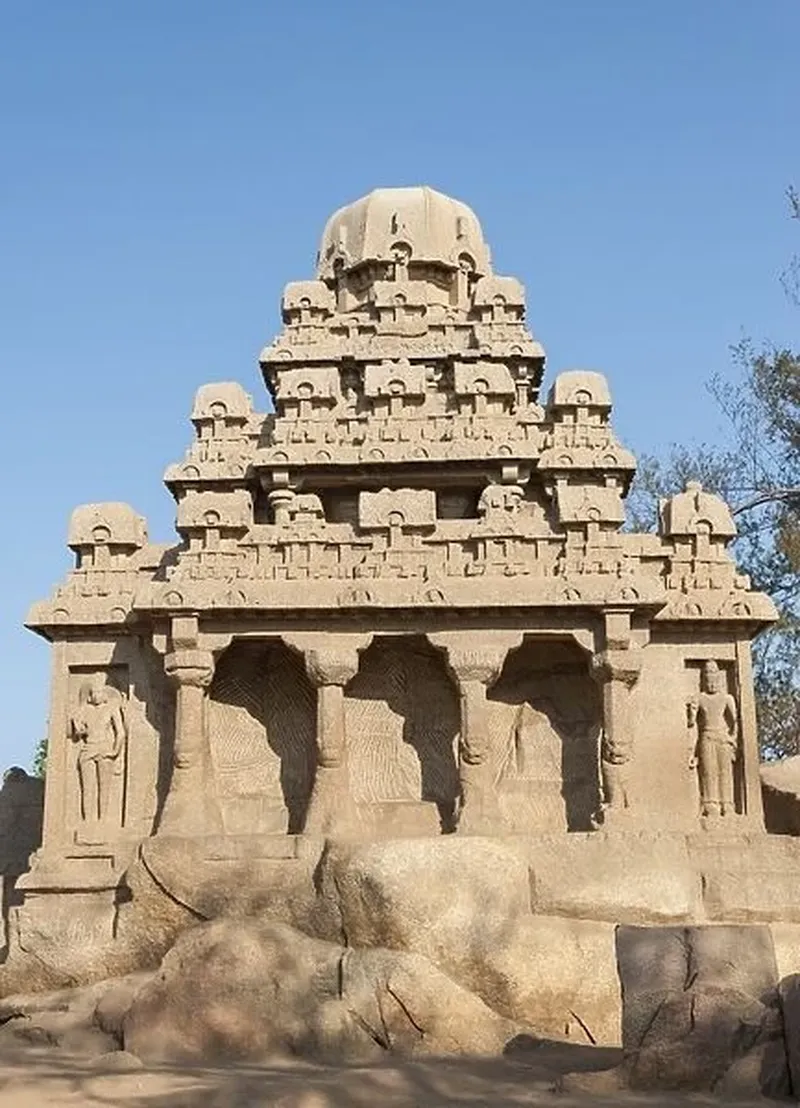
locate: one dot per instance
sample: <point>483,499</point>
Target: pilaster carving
<point>616,669</point>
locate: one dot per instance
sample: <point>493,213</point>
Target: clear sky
<point>166,166</point>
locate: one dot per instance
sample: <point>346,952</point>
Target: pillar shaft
<point>617,672</point>
<point>191,806</point>
<point>331,740</point>
<point>476,659</point>
<point>474,722</point>
<point>331,661</point>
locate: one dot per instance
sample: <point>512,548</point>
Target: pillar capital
<point>190,667</point>
<point>329,659</point>
<point>331,665</point>
<point>476,655</point>
<point>623,666</point>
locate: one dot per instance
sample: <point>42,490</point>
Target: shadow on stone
<point>21,813</point>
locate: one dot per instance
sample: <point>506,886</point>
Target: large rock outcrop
<point>464,903</point>
<point>252,990</point>
<point>701,1009</point>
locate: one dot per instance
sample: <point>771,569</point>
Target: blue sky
<point>166,166</point>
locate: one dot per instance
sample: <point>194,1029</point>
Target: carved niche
<point>262,729</point>
<point>545,722</point>
<point>402,720</point>
<point>713,721</point>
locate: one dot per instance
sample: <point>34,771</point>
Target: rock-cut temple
<point>401,604</point>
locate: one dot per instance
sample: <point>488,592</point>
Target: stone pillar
<point>331,661</point>
<point>476,659</point>
<point>752,802</point>
<point>192,805</point>
<point>616,671</point>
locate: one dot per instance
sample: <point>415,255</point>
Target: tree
<point>39,763</point>
<point>757,470</point>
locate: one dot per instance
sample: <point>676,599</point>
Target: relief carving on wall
<point>261,718</point>
<point>99,728</point>
<point>546,728</point>
<point>714,714</point>
<point>402,723</point>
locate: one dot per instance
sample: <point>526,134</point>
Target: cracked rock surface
<point>252,990</point>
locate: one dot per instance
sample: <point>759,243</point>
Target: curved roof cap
<point>435,227</point>
<point>694,510</point>
<point>113,522</point>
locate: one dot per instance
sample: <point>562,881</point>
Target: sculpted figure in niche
<point>714,713</point>
<point>100,729</point>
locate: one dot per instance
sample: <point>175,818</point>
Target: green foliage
<point>758,472</point>
<point>39,763</point>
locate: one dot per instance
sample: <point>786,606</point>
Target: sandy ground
<point>46,1078</point>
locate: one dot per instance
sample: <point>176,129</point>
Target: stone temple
<point>402,606</point>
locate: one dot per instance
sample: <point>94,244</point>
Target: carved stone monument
<point>715,716</point>
<point>98,726</point>
<point>402,605</point>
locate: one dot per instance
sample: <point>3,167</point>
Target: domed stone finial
<point>403,226</point>
<point>694,512</point>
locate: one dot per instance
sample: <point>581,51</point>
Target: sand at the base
<point>46,1079</point>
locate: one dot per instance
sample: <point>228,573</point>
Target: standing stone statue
<point>99,727</point>
<point>714,712</point>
